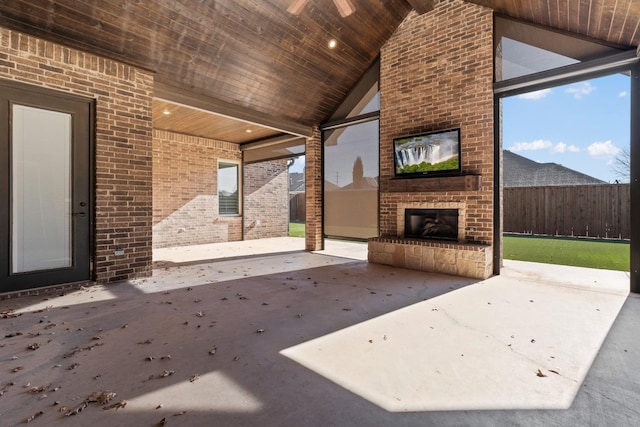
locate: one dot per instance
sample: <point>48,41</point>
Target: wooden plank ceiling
<point>257,57</point>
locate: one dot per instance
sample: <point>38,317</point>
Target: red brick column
<point>313,192</point>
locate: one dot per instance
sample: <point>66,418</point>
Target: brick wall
<point>123,142</point>
<point>313,192</point>
<point>437,73</point>
<point>266,199</point>
<point>185,190</point>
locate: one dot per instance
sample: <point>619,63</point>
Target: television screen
<point>427,154</point>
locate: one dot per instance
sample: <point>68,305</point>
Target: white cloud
<point>543,144</point>
<point>561,147</point>
<point>581,90</point>
<point>538,144</point>
<point>622,94</point>
<point>539,94</point>
<point>603,149</point>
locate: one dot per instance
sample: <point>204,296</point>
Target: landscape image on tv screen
<point>430,153</point>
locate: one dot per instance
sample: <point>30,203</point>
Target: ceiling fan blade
<point>345,7</point>
<point>296,7</point>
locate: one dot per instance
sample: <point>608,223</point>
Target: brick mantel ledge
<point>459,259</point>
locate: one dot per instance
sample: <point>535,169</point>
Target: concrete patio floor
<point>240,335</point>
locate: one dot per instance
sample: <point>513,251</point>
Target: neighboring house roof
<point>367,182</point>
<point>519,171</point>
<point>330,186</point>
<point>296,182</point>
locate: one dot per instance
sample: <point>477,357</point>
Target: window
<point>228,188</point>
<point>522,49</point>
<point>351,168</point>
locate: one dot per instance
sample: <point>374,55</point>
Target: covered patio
<point>237,334</point>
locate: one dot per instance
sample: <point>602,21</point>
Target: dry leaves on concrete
<point>33,417</point>
<point>99,397</point>
<point>116,405</point>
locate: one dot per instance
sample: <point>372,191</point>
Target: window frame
<point>238,165</point>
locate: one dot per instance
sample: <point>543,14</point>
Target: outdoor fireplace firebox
<point>441,224</point>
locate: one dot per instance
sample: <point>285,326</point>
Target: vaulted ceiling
<point>253,60</point>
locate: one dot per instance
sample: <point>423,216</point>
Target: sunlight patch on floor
<point>196,395</point>
<point>91,294</point>
<point>499,344</point>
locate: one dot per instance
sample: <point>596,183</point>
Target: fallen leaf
<point>554,371</point>
<point>35,390</point>
<point>167,373</point>
<point>260,331</point>
<point>540,374</point>
<point>77,409</point>
<point>116,405</point>
<point>194,378</point>
<point>177,414</point>
<point>149,341</point>
<point>33,417</point>
<point>101,397</point>
<point>33,346</point>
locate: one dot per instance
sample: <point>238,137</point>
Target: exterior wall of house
<point>123,96</point>
<point>266,199</point>
<point>437,73</point>
<point>185,190</point>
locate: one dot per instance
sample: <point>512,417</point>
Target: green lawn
<point>608,255</point>
<point>296,229</point>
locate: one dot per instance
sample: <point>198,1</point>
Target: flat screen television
<point>427,154</point>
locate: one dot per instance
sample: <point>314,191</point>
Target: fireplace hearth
<point>431,223</point>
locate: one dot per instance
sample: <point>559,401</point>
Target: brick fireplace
<point>416,249</point>
<point>444,81</point>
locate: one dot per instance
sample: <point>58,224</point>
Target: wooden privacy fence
<point>297,207</point>
<point>578,210</point>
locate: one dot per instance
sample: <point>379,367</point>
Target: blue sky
<point>581,126</point>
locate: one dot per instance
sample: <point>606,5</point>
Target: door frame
<point>89,155</point>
